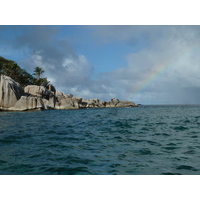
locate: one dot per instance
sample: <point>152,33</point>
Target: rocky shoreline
<point>14,98</point>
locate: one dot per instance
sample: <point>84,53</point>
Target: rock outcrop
<point>10,92</point>
<point>95,103</point>
<point>28,103</point>
<point>13,97</point>
<point>51,88</point>
<point>64,101</point>
<point>45,95</point>
<point>90,103</point>
<point>126,104</point>
<point>38,91</point>
<point>114,102</point>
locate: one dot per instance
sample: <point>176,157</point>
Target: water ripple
<point>144,140</point>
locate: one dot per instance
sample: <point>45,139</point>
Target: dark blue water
<point>144,140</point>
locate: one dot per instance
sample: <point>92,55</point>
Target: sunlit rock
<point>10,92</point>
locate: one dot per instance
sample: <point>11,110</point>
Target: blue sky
<point>111,61</point>
<point>104,55</point>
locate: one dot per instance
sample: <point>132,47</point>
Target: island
<point>42,95</point>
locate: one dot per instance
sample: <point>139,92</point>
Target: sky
<point>147,64</point>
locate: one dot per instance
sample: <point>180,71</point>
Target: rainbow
<point>160,69</point>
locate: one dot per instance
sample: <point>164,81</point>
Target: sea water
<point>144,140</point>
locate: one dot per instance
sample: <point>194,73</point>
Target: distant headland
<point>21,91</point>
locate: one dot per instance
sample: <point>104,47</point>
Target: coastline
<point>33,98</point>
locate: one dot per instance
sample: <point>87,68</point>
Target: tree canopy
<point>12,69</point>
<point>38,71</point>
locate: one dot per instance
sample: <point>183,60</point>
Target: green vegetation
<point>38,71</point>
<point>10,68</point>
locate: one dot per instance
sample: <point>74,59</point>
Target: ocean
<point>144,140</point>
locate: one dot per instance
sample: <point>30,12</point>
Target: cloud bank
<point>68,71</point>
<point>166,70</point>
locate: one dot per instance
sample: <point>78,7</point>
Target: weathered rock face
<point>64,101</point>
<point>114,102</point>
<point>38,91</point>
<point>76,102</point>
<point>126,104</point>
<point>90,103</point>
<point>28,103</point>
<point>32,103</point>
<point>51,88</point>
<point>10,92</point>
<point>102,104</point>
<point>47,95</point>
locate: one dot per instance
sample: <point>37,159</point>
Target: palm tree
<point>38,71</point>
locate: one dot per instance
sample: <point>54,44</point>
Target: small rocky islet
<point>33,97</point>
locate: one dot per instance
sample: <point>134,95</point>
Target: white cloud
<point>163,67</point>
<point>170,63</point>
<point>161,72</point>
<point>72,76</point>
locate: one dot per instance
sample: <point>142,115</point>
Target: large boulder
<point>51,102</point>
<point>83,105</point>
<point>64,101</point>
<point>76,102</point>
<point>114,102</point>
<point>10,92</point>
<point>90,103</point>
<point>28,103</point>
<point>42,92</point>
<point>102,104</point>
<point>38,91</point>
<point>126,104</point>
<point>108,104</point>
<point>33,103</point>
<point>51,88</point>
